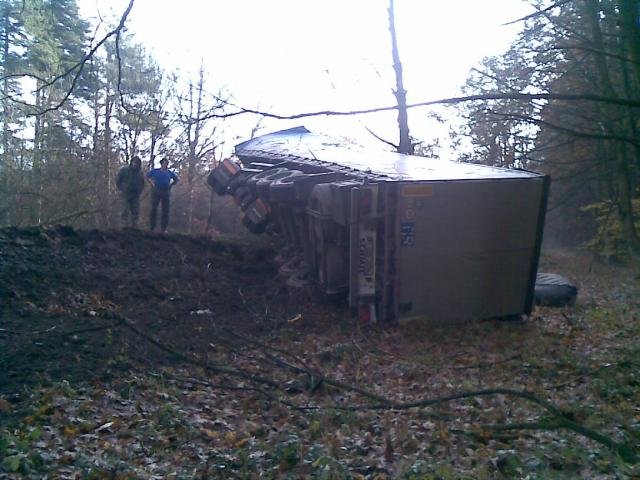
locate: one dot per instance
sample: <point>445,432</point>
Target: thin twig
<point>25,332</point>
<point>213,368</point>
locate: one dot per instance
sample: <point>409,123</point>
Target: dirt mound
<point>63,291</point>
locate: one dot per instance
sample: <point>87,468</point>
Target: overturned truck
<point>399,236</point>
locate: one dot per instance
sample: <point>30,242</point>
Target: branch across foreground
<point>555,419</point>
<point>266,386</point>
<point>625,102</point>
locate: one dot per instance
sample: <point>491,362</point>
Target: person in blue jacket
<point>162,180</point>
<point>130,183</point>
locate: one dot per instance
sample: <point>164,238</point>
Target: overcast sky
<point>291,56</point>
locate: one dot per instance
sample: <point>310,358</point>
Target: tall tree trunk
<point>211,210</point>
<point>96,155</point>
<point>5,211</point>
<point>38,155</point>
<point>630,31</point>
<point>104,164</point>
<point>405,145</point>
<point>630,92</point>
<point>622,178</point>
<point>191,174</point>
<point>624,200</point>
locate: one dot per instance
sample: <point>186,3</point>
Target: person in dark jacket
<point>162,180</point>
<point>130,183</point>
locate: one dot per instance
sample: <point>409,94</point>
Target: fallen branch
<point>206,366</point>
<point>90,329</point>
<point>218,386</point>
<point>558,419</point>
<point>626,452</point>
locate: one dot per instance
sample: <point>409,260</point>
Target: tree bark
<point>5,218</point>
<point>630,31</point>
<point>96,153</point>
<point>38,145</point>
<point>405,145</point>
<point>614,120</point>
<point>104,164</point>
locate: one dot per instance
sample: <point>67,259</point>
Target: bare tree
<point>405,145</point>
<point>198,132</point>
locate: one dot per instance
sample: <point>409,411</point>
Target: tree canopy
<point>564,99</point>
<point>590,149</point>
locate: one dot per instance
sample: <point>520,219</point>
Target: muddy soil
<point>63,292</point>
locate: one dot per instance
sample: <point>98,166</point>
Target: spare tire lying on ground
<point>553,290</point>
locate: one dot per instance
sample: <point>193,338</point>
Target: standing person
<point>130,183</point>
<point>162,180</point>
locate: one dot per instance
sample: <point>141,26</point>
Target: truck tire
<point>553,290</point>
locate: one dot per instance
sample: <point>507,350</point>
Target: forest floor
<point>127,355</point>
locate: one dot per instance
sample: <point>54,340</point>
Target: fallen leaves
<point>155,417</point>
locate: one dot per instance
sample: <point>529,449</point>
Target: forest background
<point>564,99</point>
